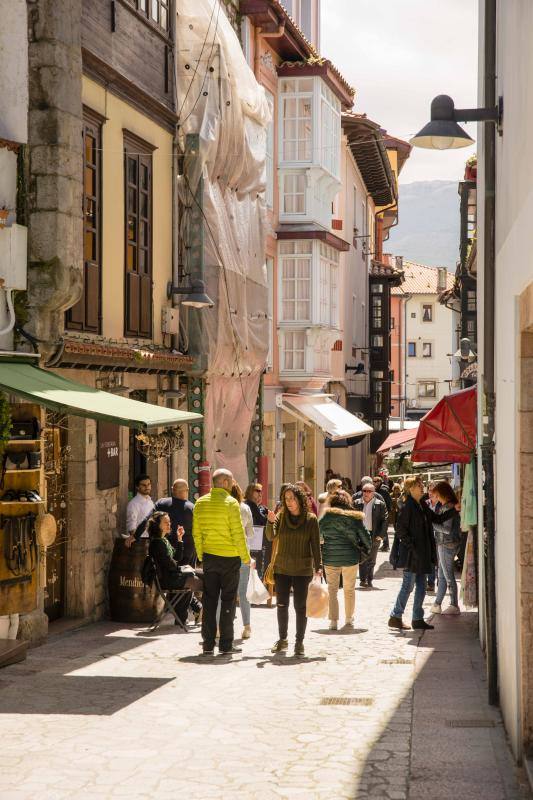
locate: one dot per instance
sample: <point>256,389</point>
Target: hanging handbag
<point>15,461</point>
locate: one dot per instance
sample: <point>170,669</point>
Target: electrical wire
<point>199,57</point>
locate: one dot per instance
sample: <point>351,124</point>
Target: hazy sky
<point>399,54</point>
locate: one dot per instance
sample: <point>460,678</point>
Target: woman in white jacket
<point>248,525</point>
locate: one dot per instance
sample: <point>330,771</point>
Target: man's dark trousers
<point>221,580</point>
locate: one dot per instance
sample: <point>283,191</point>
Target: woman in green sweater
<point>296,530</point>
<point>345,542</point>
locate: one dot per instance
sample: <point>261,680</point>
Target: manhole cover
<point>346,701</point>
<point>470,723</point>
<point>396,661</point>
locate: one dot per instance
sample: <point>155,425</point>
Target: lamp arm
<point>478,114</point>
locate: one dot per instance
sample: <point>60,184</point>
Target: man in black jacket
<point>414,550</point>
<point>375,521</point>
<point>179,508</point>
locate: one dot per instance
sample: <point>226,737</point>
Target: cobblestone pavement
<point>109,711</point>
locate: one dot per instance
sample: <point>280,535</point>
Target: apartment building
<point>423,340</point>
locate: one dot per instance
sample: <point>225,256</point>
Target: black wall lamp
<point>443,132</point>
<point>358,369</point>
<point>194,295</point>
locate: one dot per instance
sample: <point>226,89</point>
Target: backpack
<point>148,572</point>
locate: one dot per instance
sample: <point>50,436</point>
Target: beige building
<point>422,355</point>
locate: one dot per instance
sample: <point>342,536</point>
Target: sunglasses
<point>368,491</point>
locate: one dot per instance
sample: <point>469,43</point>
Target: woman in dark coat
<point>167,558</point>
<point>414,550</point>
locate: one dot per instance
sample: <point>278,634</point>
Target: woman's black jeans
<point>300,585</point>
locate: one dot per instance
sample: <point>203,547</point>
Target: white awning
<point>326,414</point>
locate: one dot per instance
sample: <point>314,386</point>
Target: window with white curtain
<point>297,119</point>
<point>294,193</point>
<point>294,350</point>
<point>328,277</point>
<point>330,119</point>
<point>270,153</point>
<point>296,259</point>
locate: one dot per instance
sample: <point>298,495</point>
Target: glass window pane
<point>132,200</point>
<point>304,107</point>
<point>132,229</point>
<point>144,206</point>
<point>90,181</point>
<point>143,261</point>
<point>131,257</point>
<point>155,9</point>
<point>289,151</point>
<point>89,246</point>
<point>289,108</point>
<point>90,145</point>
<point>305,85</point>
<point>164,18</point>
<point>90,212</point>
<point>132,170</point>
<point>142,5</point>
<point>144,177</point>
<point>143,229</point>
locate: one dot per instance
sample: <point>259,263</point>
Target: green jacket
<point>345,540</point>
<point>217,526</point>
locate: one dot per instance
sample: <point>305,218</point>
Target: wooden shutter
<point>138,237</point>
<point>86,314</point>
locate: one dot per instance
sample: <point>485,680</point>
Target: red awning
<point>398,439</point>
<point>447,433</point>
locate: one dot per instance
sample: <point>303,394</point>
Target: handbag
<point>14,461</point>
<point>256,591</point>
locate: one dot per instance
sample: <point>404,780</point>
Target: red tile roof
<point>420,279</point>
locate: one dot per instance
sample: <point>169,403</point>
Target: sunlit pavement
<point>110,711</point>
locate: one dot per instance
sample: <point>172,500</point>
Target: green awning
<point>61,394</point>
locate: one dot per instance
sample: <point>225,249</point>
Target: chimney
<point>442,279</point>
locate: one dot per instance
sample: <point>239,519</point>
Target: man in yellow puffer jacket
<point>221,546</point>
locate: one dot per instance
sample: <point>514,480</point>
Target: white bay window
<point>296,263</point>
<point>294,351</point>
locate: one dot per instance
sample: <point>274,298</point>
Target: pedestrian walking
<point>260,548</point>
<point>414,550</point>
<point>167,561</point>
<point>332,487</point>
<point>345,543</point>
<point>311,502</point>
<point>221,546</point>
<point>382,489</point>
<point>244,571</point>
<point>375,518</point>
<point>359,488</point>
<point>448,538</point>
<point>295,529</point>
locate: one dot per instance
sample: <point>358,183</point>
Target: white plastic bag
<point>256,591</point>
<point>317,599</point>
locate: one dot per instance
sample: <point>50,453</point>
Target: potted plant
<point>471,169</point>
<point>4,213</point>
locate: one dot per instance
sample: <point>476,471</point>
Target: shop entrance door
<point>56,452</point>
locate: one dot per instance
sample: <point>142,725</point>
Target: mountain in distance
<point>428,228</point>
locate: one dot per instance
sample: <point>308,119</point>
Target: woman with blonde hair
<point>333,486</point>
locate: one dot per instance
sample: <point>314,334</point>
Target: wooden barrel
<point>129,599</point>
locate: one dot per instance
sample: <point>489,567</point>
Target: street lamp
<point>443,132</point>
<point>194,295</point>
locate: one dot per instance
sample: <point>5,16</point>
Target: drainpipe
<point>403,405</point>
<point>488,448</point>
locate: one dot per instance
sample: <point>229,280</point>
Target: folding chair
<point>170,598</point>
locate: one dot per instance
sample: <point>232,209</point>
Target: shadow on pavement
<point>341,631</point>
<point>442,739</point>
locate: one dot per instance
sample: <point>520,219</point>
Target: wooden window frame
<point>145,8</point>
<point>141,152</point>
<point>78,318</point>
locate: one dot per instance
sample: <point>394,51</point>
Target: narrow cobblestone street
<point>110,711</point>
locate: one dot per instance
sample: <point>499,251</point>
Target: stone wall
<point>54,167</point>
<point>526,538</point>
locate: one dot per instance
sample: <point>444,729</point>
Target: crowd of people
<point>205,550</point>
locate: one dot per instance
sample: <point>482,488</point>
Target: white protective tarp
<point>220,99</point>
